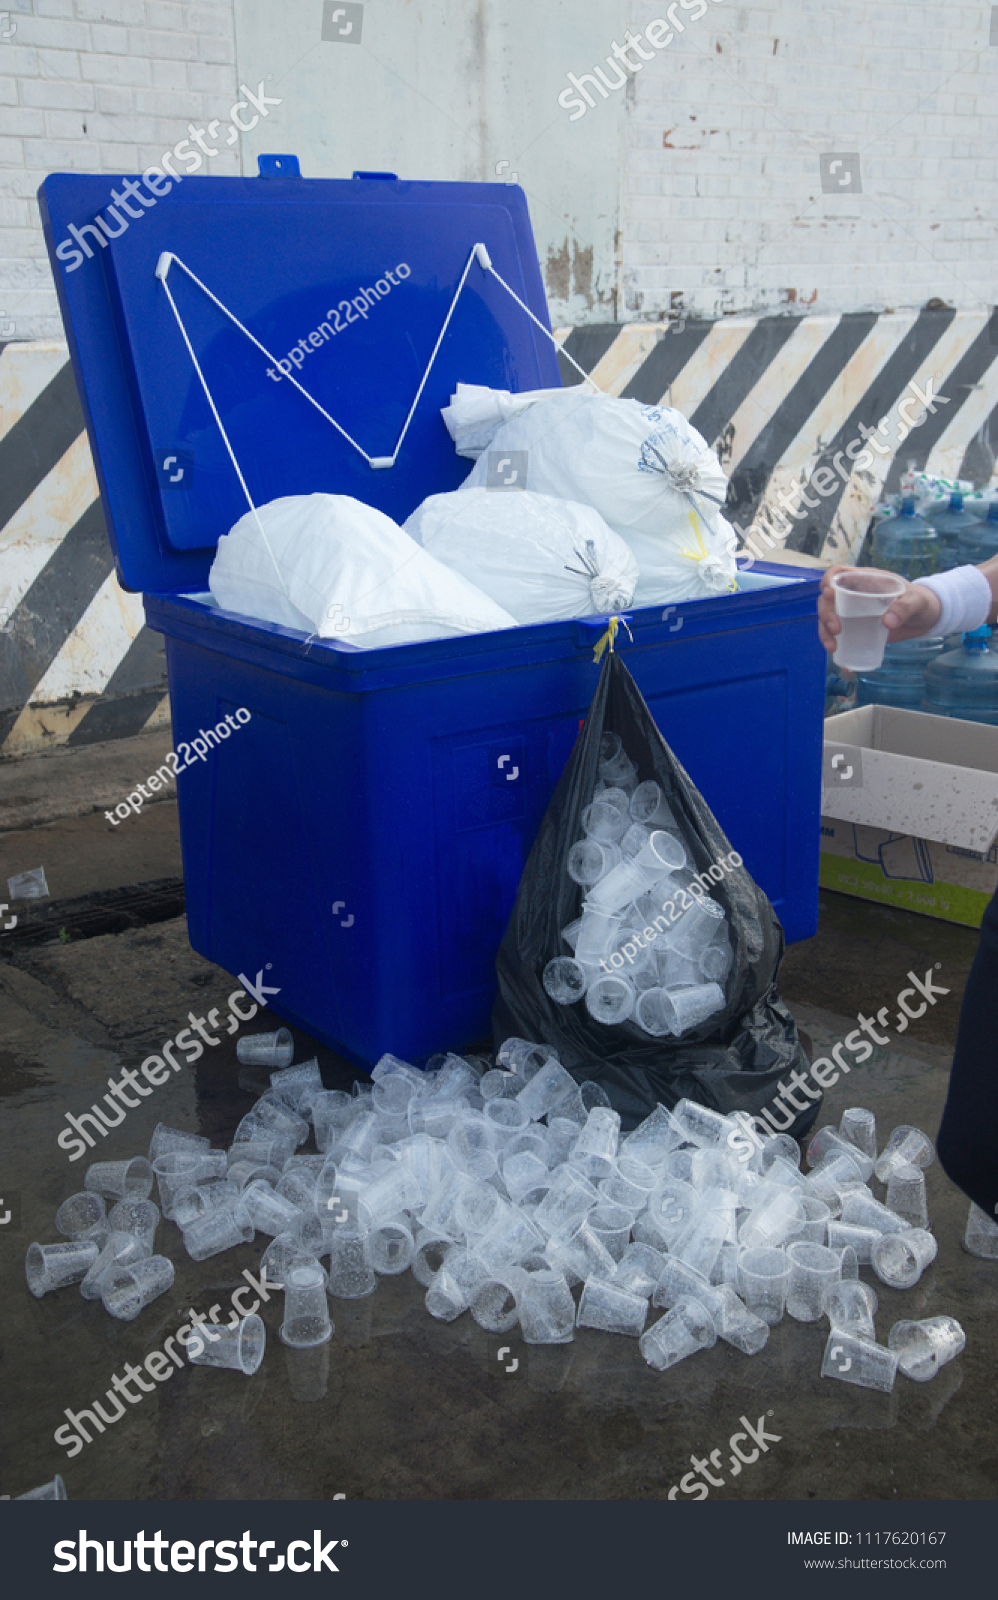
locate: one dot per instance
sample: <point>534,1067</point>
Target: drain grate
<point>106,911</point>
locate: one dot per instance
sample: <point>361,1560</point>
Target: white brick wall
<point>718,208</point>
<point>97,86</point>
<point>732,218</point>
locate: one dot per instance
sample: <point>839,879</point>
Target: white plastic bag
<point>349,573</point>
<point>475,414</point>
<point>541,559</point>
<point>648,473</point>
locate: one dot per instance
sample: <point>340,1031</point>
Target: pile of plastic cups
<point>511,1194</point>
<point>651,946</point>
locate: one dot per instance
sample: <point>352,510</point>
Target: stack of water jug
<point>651,946</point>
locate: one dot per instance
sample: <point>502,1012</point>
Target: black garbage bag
<point>735,1060</point>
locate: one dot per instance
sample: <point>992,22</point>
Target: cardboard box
<point>910,811</point>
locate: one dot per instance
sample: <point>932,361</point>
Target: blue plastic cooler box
<point>360,840</point>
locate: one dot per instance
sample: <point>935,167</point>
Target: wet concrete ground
<point>398,1405</point>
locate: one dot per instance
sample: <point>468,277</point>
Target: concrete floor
<point>398,1405</point>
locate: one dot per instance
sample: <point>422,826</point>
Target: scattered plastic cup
<point>981,1234</point>
<point>612,1226</point>
<point>450,1291</point>
<point>850,1307</point>
<point>591,859</point>
<point>121,1250</point>
<point>391,1248</point>
<point>859,1127</point>
<point>306,1308</point>
<point>851,1235</point>
<point>862,596</point>
<point>431,1251</point>
<point>55,1490</point>
<point>546,1308</point>
<point>611,1309</point>
<point>548,1087</point>
<point>813,1270</point>
<point>906,1144</point>
<point>217,1231</point>
<point>266,1049</point>
<point>30,885</point>
<point>683,1331</point>
<point>240,1348</point>
<point>140,1217</point>
<point>595,1150</point>
<point>650,807</point>
<point>899,1259</point>
<point>79,1213</point>
<point>56,1266</point>
<point>176,1170</point>
<point>127,1290</point>
<point>351,1275</point>
<point>165,1139</point>
<point>924,1347</point>
<point>856,1360</point>
<point>610,998</point>
<point>684,1009</point>
<point>120,1180</point>
<point>763,1282</point>
<point>906,1195</point>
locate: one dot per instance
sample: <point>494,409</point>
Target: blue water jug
<point>901,679</point>
<point>979,541</point>
<point>953,522</point>
<point>964,682</point>
<point>907,543</point>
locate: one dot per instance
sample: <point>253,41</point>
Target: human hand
<point>909,617</point>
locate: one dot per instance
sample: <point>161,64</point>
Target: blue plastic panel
<point>289,259</point>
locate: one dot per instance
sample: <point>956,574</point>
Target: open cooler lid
<point>289,258</point>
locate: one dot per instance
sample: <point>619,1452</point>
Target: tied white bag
<point>349,573</point>
<point>475,414</point>
<point>648,473</point>
<point>539,558</point>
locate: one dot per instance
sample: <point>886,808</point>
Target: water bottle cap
<point>977,639</point>
<point>956,501</point>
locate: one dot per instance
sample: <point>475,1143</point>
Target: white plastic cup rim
<point>866,592</point>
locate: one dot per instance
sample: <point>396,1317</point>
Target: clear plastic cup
<point>522,1173</point>
<point>56,1266</point>
<point>899,1259</point>
<point>763,1282</point>
<point>546,1308</point>
<point>850,1306</point>
<point>842,1235</point>
<point>597,932</point>
<point>612,1227</point>
<point>568,1201</point>
<point>715,963</point>
<point>981,1234</point>
<point>655,1138</point>
<point>906,1144</point>
<point>699,1245</point>
<point>611,1309</point>
<point>683,1331</point>
<point>582,1256</point>
<point>854,1360</point>
<point>477,1207</point>
<point>862,596</point>
<point>512,1236</point>
<point>671,1209</point>
<point>391,1247</point>
<point>140,1217</point>
<point>813,1270</point>
<point>779,1219</point>
<point>505,1118</point>
<point>595,1149</point>
<point>396,1190</point>
<point>121,1249</point>
<point>217,1231</point>
<point>127,1290</point>
<point>695,929</point>
<point>610,998</point>
<point>924,1347</point>
<point>240,1349</point>
<point>450,1291</point>
<point>677,1282</point>
<point>639,1269</point>
<point>306,1308</point>
<point>176,1171</point>
<point>860,1208</point>
<point>817,1216</point>
<point>282,1253</point>
<point>430,1253</point>
<point>268,1211</point>
<point>55,1490</point>
<point>650,807</point>
<point>546,1090</point>
<point>859,1127</point>
<point>564,980</point>
<point>351,1275</point>
<point>165,1139</point>
<point>118,1180</point>
<point>591,859</point>
<point>654,1012</point>
<point>622,884</point>
<point>80,1213</point>
<point>266,1049</point>
<point>906,1195</point>
<point>472,1145</point>
<point>605,822</point>
<point>684,1009</point>
<point>494,1302</point>
<point>296,1084</point>
<point>332,1112</point>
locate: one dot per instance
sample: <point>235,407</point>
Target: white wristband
<point>965,596</point>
